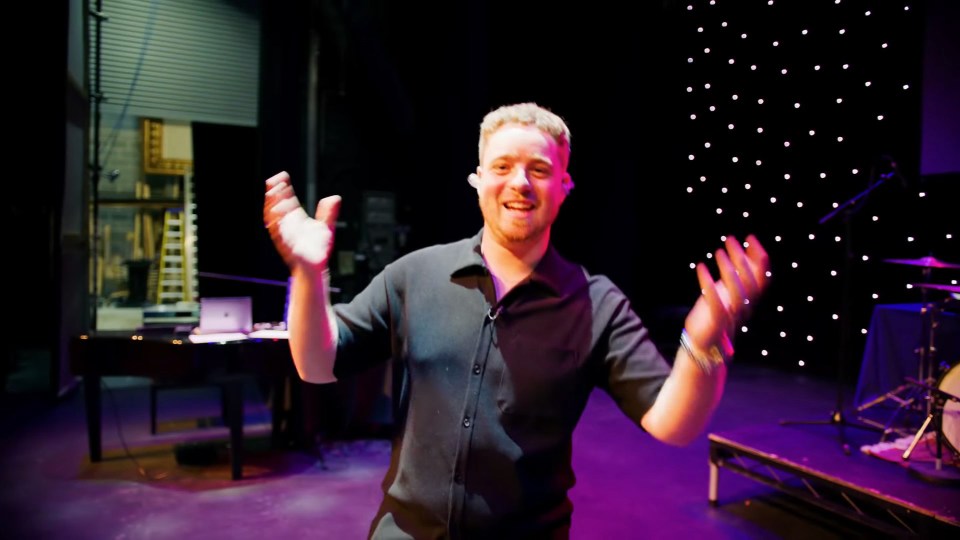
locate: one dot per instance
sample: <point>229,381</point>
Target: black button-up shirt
<point>490,392</point>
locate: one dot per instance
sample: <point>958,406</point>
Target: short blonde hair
<point>528,114</point>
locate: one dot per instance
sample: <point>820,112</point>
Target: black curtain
<point>231,239</point>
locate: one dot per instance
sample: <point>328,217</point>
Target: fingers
<point>759,259</point>
<point>328,209</point>
<point>711,294</point>
<point>729,274</point>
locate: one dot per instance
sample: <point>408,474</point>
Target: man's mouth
<point>519,205</point>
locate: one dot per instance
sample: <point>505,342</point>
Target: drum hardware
<point>907,396</point>
<point>925,262</point>
<point>945,417</point>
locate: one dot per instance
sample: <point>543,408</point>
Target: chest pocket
<point>539,381</point>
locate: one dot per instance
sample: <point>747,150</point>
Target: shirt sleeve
<point>634,370</point>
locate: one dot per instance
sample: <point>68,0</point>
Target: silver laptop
<point>226,314</point>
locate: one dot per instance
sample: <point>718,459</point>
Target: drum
<point>950,420</point>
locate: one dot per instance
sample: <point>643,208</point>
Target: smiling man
<point>500,341</point>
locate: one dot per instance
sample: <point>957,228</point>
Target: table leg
<point>233,390</point>
<point>91,393</point>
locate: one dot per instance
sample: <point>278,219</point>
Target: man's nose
<point>519,178</point>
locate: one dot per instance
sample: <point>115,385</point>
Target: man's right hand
<point>303,242</point>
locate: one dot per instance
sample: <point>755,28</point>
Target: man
<point>500,341</point>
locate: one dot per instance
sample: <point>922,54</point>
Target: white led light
<point>783,334</point>
<point>735,159</point>
<point>743,36</point>
<point>690,157</point>
<point>747,187</point>
<point>780,309</point>
<point>783,71</point>
<point>842,31</point>
<point>875,296</point>
<point>816,67</point>
<point>839,100</point>
<point>773,200</point>
<point>734,97</point>
<point>764,352</point>
<point>811,236</point>
<point>707,86</point>
<point>809,338</point>
<point>689,89</point>
<point>689,8</point>
<point>689,60</point>
<point>835,317</point>
<point>760,101</point>
<point>713,108</point>
<point>786,176</point>
<point>776,43</point>
<point>836,238</point>
<point>800,204</point>
<point>867,14</point>
<point>855,171</point>
<point>875,218</point>
<point>801,363</point>
<point>804,31</point>
<point>846,66</point>
<point>719,210</point>
<point>753,67</point>
<point>777,238</point>
<point>812,133</point>
<point>868,83</point>
<point>796,105</point>
<point>786,144</point>
<point>730,61</point>
<point>723,189</point>
<point>833,273</point>
<point>700,29</point>
<point>746,214</point>
<point>863,331</point>
<point>707,50</point>
<point>883,46</point>
<point>744,329</point>
<point>759,163</point>
<point>729,126</point>
<point>689,189</point>
<point>724,24</point>
<point>865,258</point>
<point>693,117</point>
<point>879,117</point>
<point>906,87</point>
<point>794,265</point>
<point>810,298</point>
<point>823,175</point>
<point>840,139</point>
<point>759,130</point>
<point>835,205</point>
<point>706,145</point>
<point>703,178</point>
<point>910,239</point>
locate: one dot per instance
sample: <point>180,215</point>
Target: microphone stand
<point>847,209</point>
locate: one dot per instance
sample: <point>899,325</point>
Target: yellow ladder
<point>172,281</point>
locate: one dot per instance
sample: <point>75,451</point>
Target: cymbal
<point>939,287</point>
<point>926,262</point>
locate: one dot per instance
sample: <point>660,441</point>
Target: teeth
<point>519,206</point>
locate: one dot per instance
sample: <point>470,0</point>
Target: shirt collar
<point>553,271</point>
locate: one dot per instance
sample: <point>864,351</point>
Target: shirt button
<point>476,369</point>
<point>466,421</point>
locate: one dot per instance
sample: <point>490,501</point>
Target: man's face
<point>523,182</point>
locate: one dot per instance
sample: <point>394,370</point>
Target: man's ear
<point>567,184</point>
<point>474,180</point>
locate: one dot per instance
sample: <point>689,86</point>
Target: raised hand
<point>302,241</point>
<point>727,302</point>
